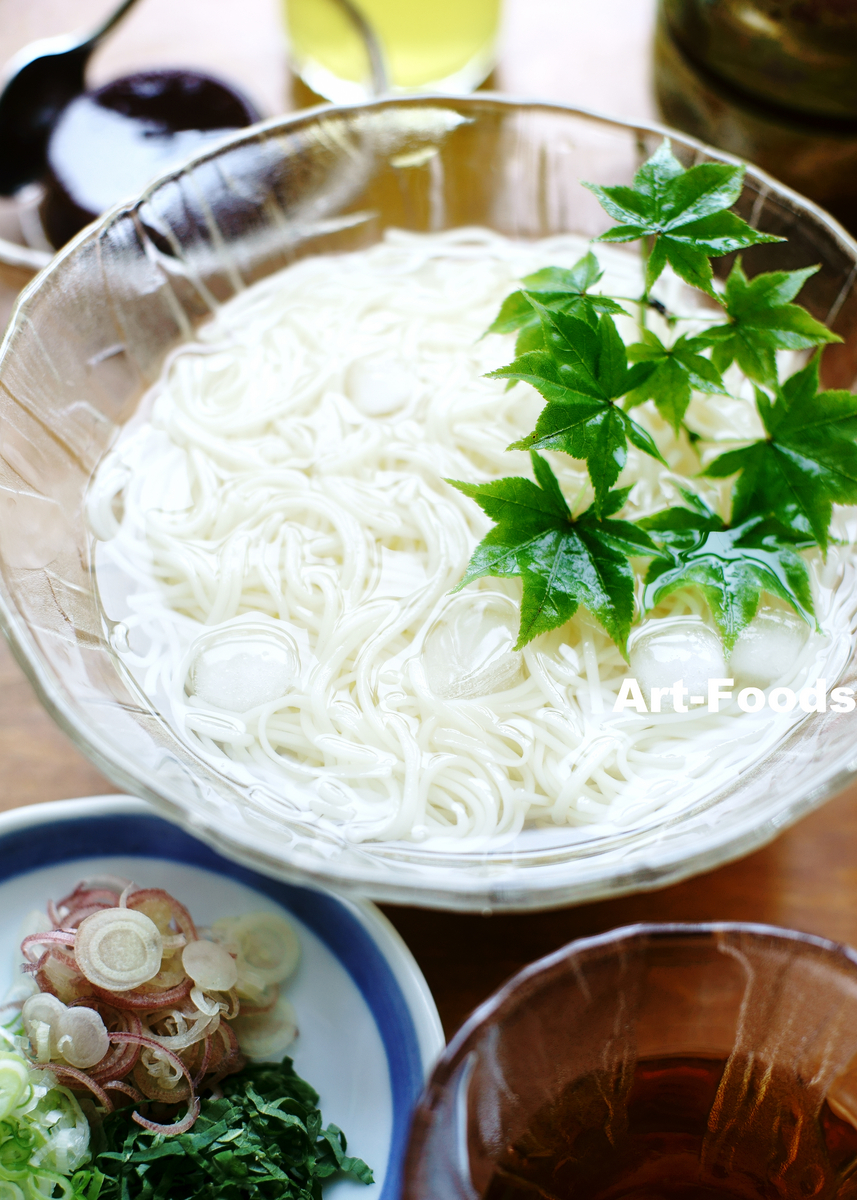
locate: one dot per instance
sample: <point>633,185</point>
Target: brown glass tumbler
<point>657,1060</point>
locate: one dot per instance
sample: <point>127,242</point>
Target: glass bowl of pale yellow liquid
<point>316,198</point>
<point>445,45</point>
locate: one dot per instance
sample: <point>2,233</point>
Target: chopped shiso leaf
<point>262,1140</point>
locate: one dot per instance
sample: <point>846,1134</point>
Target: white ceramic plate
<point>369,1029</point>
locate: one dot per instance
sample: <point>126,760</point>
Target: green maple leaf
<point>684,212</point>
<point>805,464</point>
<point>581,373</point>
<point>731,566</point>
<point>679,370</point>
<point>559,289</point>
<point>761,321</point>
<point>562,561</point>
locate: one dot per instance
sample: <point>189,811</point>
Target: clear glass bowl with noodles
<point>91,333</point>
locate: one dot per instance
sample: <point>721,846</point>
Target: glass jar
<point>773,83</point>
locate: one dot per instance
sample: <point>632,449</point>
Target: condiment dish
<point>368,1029</point>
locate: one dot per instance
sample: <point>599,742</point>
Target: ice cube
<point>668,649</point>
<point>379,386</point>
<point>469,649</point>
<point>768,647</point>
<point>242,665</point>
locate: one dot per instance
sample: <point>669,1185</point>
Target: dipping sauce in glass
<point>659,1145</point>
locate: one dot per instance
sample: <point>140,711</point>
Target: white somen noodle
<point>278,545</point>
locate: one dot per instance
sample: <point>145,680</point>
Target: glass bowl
<point>657,1061</point>
<point>91,332</point>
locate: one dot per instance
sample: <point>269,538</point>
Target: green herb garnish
<point>806,462</point>
<point>569,349</point>
<point>263,1140</point>
<point>731,567</point>
<point>683,213</point>
<point>44,1135</point>
<point>563,561</point>
<point>581,373</point>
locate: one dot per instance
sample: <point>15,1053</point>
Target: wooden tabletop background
<point>579,52</point>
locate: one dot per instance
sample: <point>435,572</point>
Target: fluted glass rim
<point>644,932</point>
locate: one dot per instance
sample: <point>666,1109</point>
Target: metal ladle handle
<point>377,65</point>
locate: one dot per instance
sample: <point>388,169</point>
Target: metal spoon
<point>40,81</point>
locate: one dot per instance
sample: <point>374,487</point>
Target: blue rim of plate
<point>71,838</point>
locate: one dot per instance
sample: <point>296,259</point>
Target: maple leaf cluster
<point>569,349</point>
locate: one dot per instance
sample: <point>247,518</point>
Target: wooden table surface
<point>577,51</point>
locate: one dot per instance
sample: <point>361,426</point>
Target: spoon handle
<point>107,24</point>
<point>377,65</point>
